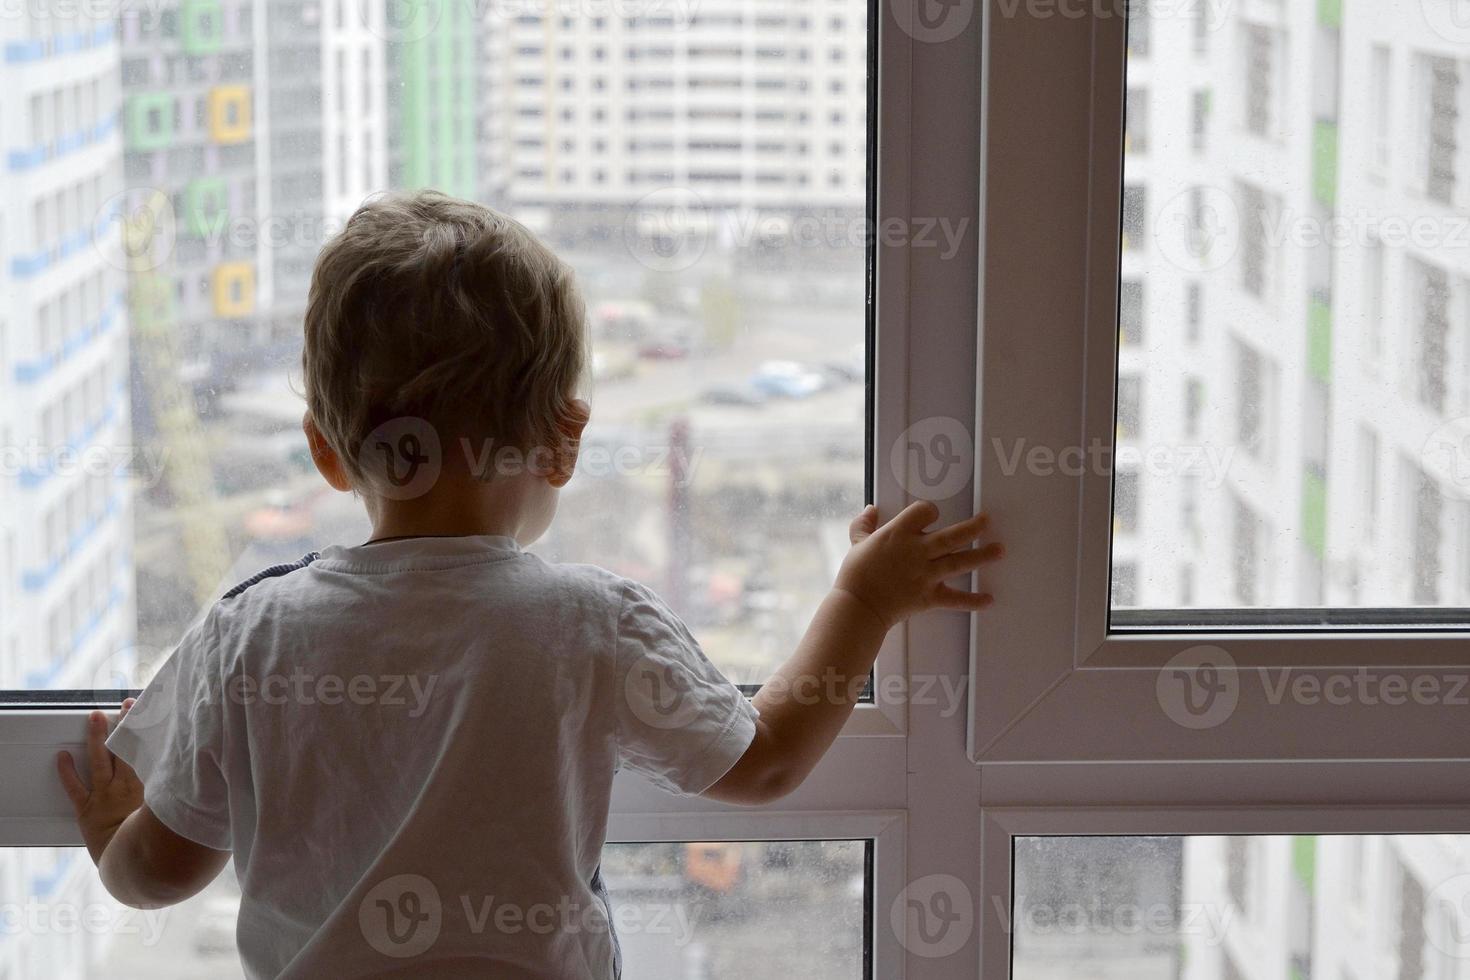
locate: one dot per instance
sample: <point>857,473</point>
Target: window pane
<point>704,171</point>
<point>717,911</point>
<point>1293,410</point>
<point>1242,908</point>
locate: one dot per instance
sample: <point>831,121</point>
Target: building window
<point>1260,81</point>
<point>1442,144</point>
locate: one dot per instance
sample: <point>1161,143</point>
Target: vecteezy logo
<point>402,458</point>
<point>659,694</point>
<point>1199,687</point>
<point>400,20</point>
<point>1446,454</point>
<point>933,458</point>
<point>1450,19</point>
<point>130,668</point>
<point>401,916</point>
<point>667,230</point>
<point>933,21</point>
<point>1198,229</point>
<point>136,230</point>
<point>934,916</point>
<point>1215,13</point>
<point>1448,903</point>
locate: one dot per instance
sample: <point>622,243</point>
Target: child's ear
<point>570,427</point>
<point>328,463</point>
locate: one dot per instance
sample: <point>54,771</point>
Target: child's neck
<point>457,508</point>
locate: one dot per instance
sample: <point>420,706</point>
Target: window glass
<point>1241,908</point>
<point>699,911</point>
<point>1293,410</point>
<point>173,172</point>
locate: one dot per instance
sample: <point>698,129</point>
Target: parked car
<point>665,349</point>
<point>747,395</point>
<point>853,367</point>
<point>787,379</point>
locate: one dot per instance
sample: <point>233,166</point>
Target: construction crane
<point>187,473</point>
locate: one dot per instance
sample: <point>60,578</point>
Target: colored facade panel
<point>229,114</point>
<point>1319,341</point>
<point>150,121</point>
<point>234,289</point>
<point>1324,163</point>
<point>200,26</point>
<point>436,119</point>
<point>206,205</point>
<point>1314,513</point>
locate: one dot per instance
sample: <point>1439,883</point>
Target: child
<point>389,736</point>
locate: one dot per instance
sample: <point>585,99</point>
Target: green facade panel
<point>200,26</point>
<point>1324,163</point>
<point>206,205</point>
<point>1319,340</point>
<point>150,121</point>
<point>436,122</point>
<point>1304,860</point>
<point>1329,13</point>
<point>1314,513</point>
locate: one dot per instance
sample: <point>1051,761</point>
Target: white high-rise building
<point>65,569</point>
<point>1347,907</point>
<point>66,575</point>
<point>744,106</point>
<point>1292,300</point>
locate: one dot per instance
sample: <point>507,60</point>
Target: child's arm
<point>891,573</point>
<point>142,863</point>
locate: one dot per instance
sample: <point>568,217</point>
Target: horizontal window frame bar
<point>1379,619</point>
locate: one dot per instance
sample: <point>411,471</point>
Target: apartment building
<point>739,107</point>
<point>66,583</point>
<point>1347,907</point>
<point>65,572</point>
<point>1278,306</point>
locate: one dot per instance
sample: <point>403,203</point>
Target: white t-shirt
<point>409,746</point>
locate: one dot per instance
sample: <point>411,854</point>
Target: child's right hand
<point>899,569</point>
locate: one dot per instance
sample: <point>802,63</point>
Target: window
<point>1430,299</point>
<point>1158,364</point>
<point>1259,78</point>
<point>692,341</point>
<point>1380,92</point>
<point>1200,133</point>
<point>1130,313</point>
<point>1237,906</point>
<point>681,910</point>
<point>1440,150</point>
<point>1247,567</point>
<point>1138,108</point>
<point>752,365</point>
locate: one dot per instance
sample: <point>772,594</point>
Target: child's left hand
<point>116,790</point>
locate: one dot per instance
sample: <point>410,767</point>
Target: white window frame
<point>1067,726</point>
<point>898,774</point>
<point>1003,825</point>
<point>1065,732</point>
<point>1072,690</point>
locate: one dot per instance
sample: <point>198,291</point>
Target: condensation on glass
<point>173,169</point>
<point>682,911</point>
<point>1241,908</point>
<point>1293,410</point>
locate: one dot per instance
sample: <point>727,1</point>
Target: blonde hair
<point>440,309</point>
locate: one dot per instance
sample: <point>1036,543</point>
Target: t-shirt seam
<point>197,818</point>
<point>619,678</point>
<point>391,568</point>
<point>734,714</point>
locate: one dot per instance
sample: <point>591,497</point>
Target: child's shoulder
<point>592,581</point>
